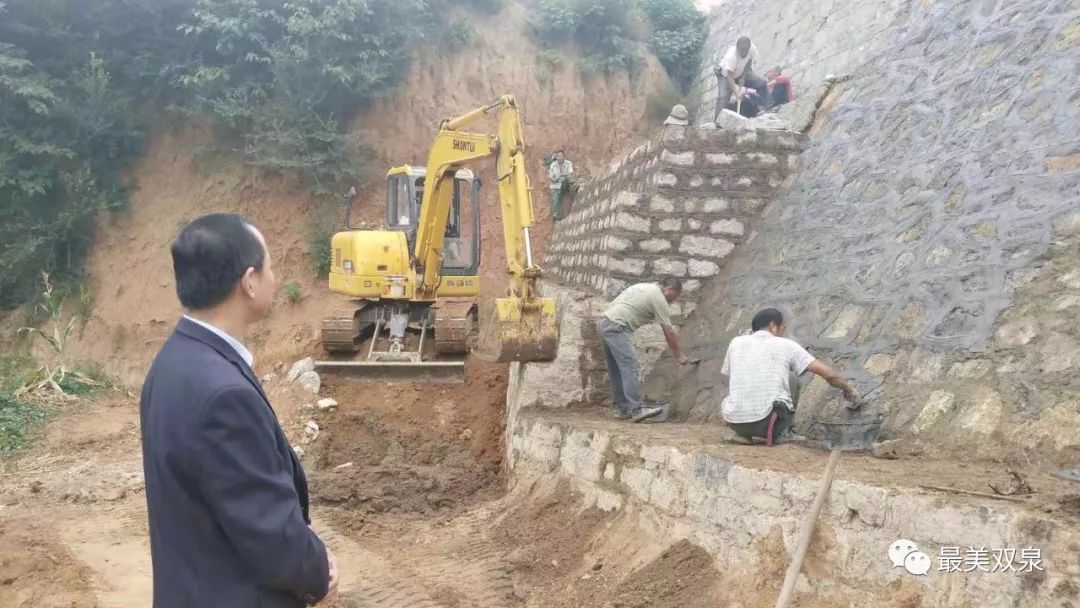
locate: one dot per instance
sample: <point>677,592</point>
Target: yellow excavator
<point>416,281</point>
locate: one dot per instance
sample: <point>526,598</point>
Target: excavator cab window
<point>400,209</point>
<point>461,243</point>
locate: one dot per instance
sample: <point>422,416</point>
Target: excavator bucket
<point>516,329</point>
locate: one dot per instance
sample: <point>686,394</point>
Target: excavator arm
<point>521,326</point>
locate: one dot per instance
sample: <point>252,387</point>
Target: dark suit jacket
<point>226,495</point>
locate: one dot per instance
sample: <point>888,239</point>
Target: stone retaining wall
<point>930,242</point>
<point>676,206</point>
<point>749,519</point>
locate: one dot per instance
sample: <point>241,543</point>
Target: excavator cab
<point>461,241</point>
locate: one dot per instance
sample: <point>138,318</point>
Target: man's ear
<point>247,283</point>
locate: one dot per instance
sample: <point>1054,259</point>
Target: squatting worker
<point>763,372</point>
<point>636,306</point>
<point>226,496</point>
<point>735,76</point>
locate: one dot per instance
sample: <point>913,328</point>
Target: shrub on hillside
<point>611,33</point>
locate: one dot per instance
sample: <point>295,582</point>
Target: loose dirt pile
<point>371,467</point>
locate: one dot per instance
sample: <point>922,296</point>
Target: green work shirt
<point>639,305</point>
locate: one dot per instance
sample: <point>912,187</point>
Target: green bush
<point>611,33</point>
<point>320,231</point>
<point>280,78</point>
<point>17,417</point>
<point>608,32</point>
<point>293,293</point>
<point>678,38</point>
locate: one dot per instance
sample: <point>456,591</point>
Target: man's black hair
<point>743,41</point>
<point>672,283</point>
<point>766,317</point>
<point>210,255</point>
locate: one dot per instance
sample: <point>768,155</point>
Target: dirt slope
<point>130,269</point>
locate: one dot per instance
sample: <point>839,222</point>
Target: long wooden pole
<point>807,532</point>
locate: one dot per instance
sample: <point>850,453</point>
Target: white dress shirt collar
<point>244,353</point>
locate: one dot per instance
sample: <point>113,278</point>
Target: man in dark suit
<point>226,495</point>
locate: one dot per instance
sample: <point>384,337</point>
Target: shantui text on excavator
<point>417,281</point>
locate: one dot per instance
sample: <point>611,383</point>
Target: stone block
<point>1059,353</point>
<point>973,369</point>
<point>939,403</point>
<point>731,227</point>
<point>631,222</point>
<point>924,365</point>
<point>844,323</point>
<point>938,256</point>
<point>694,225</point>
<point>1017,333</point>
<point>655,245</point>
<point>669,267</point>
<point>697,181</point>
<point>670,225</point>
<point>748,137</point>
<point>667,180</point>
<point>1070,279</point>
<point>984,412</point>
<point>673,133</point>
<point>720,159</point>
<point>682,159</point>
<point>716,205</point>
<point>631,266</point>
<point>1061,164</point>
<point>625,199</point>
<point>760,157</point>
<point>661,203</point>
<point>705,246</point>
<point>879,364</point>
<point>702,268</point>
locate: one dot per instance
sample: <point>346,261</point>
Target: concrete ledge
<point>734,500</point>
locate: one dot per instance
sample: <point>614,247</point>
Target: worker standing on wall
<point>636,306</point>
<point>735,76</point>
<point>763,372</point>
<point>559,174</point>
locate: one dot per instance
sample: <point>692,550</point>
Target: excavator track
<point>340,330</point>
<point>455,323</point>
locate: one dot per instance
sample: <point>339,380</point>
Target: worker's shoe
<point>623,415</point>
<point>647,412</point>
<point>788,436</point>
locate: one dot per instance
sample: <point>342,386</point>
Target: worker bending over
<point>636,306</point>
<point>735,76</point>
<point>763,372</point>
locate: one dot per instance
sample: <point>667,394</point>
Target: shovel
<point>840,436</point>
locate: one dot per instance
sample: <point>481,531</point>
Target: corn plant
<point>47,380</point>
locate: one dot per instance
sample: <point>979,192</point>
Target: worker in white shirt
<point>559,174</point>
<point>735,76</point>
<point>763,372</point>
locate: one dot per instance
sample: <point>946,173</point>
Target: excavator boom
<point>522,326</point>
